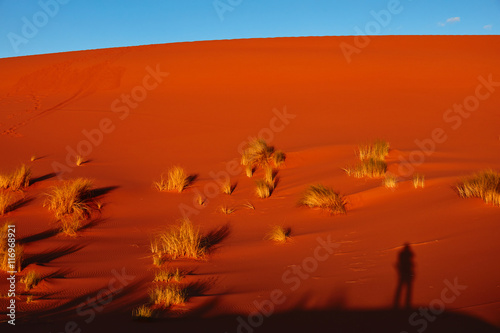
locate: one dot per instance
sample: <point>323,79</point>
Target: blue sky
<point>35,27</point>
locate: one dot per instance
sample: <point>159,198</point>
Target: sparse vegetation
<point>418,180</point>
<point>142,312</point>
<point>72,200</point>
<point>166,275</point>
<point>6,201</point>
<point>176,180</point>
<point>279,158</point>
<point>258,154</point>
<point>372,161</point>
<point>227,187</point>
<point>5,265</point>
<point>249,170</point>
<point>263,189</point>
<point>227,210</point>
<point>319,196</point>
<point>80,160</point>
<point>33,158</point>
<point>249,205</point>
<point>390,181</point>
<point>31,280</point>
<point>17,180</point>
<point>484,185</point>
<point>269,175</point>
<point>200,200</point>
<point>180,241</point>
<point>167,295</point>
<point>278,234</point>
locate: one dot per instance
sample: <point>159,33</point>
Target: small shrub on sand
<point>377,151</point>
<point>166,275</point>
<point>80,160</point>
<point>176,180</point>
<point>319,196</point>
<point>418,180</point>
<point>142,312</point>
<point>279,158</point>
<point>484,185</point>
<point>390,181</point>
<point>278,234</point>
<point>181,241</point>
<point>263,189</point>
<point>17,180</point>
<point>6,201</point>
<point>227,187</point>
<point>71,200</point>
<point>167,295</point>
<point>31,280</point>
<point>368,168</point>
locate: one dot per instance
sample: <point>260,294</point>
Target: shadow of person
<point>406,274</point>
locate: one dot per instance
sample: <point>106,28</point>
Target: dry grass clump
<point>180,241</point>
<point>166,275</point>
<point>176,180</point>
<point>377,151</point>
<point>484,185</point>
<point>249,205</point>
<point>18,252</point>
<point>227,187</point>
<point>372,159</point>
<point>72,198</point>
<point>6,201</point>
<point>258,154</point>
<point>168,295</point>
<point>279,234</point>
<point>17,180</point>
<point>263,189</point>
<point>226,210</point>
<point>319,196</point>
<point>418,180</point>
<point>390,181</point>
<point>31,280</point>
<point>143,312</point>
<point>80,160</point>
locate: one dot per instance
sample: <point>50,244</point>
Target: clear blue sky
<point>29,27</point>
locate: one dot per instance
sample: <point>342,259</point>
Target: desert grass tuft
<point>319,196</point>
<point>390,181</point>
<point>263,189</point>
<point>371,168</point>
<point>79,160</point>
<point>17,180</point>
<point>72,200</point>
<point>249,170</point>
<point>269,175</point>
<point>142,312</point>
<point>227,187</point>
<point>5,255</point>
<point>200,200</point>
<point>377,150</point>
<point>31,280</point>
<point>279,158</point>
<point>181,241</point>
<point>484,184</point>
<point>227,210</point>
<point>249,205</point>
<point>418,180</point>
<point>33,158</point>
<point>6,201</point>
<point>279,234</point>
<point>168,295</point>
<point>166,275</point>
<point>176,180</point>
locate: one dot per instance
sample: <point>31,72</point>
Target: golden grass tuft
<point>249,170</point>
<point>31,280</point>
<point>377,150</point>
<point>279,234</point>
<point>249,205</point>
<point>17,180</point>
<point>279,158</point>
<point>258,154</point>
<point>390,181</point>
<point>6,201</point>
<point>269,175</point>
<point>200,200</point>
<point>418,180</point>
<point>79,160</point>
<point>319,196</point>
<point>5,265</point>
<point>263,189</point>
<point>72,200</point>
<point>227,187</point>
<point>166,275</point>
<point>176,180</point>
<point>33,158</point>
<point>181,241</point>
<point>142,312</point>
<point>368,168</point>
<point>227,210</point>
<point>168,295</point>
<point>484,184</point>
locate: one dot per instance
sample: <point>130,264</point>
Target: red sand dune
<point>306,99</point>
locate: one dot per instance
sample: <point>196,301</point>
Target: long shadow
<point>19,204</point>
<point>46,257</point>
<point>215,237</point>
<point>42,178</point>
<point>39,236</point>
<point>93,223</point>
<point>102,191</point>
<point>405,269</point>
